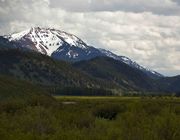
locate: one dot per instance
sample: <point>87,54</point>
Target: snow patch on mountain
<point>48,40</point>
<point>17,36</point>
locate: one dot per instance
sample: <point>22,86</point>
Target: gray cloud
<point>151,39</point>
<point>177,1</point>
<point>167,7</point>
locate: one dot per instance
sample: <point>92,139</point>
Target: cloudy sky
<point>147,31</point>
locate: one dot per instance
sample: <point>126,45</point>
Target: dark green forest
<point>99,73</point>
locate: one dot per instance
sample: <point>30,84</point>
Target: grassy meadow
<point>90,118</point>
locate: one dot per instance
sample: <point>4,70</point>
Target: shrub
<point>108,111</point>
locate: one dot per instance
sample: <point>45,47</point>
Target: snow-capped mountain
<point>64,46</point>
<point>46,41</point>
<point>55,43</point>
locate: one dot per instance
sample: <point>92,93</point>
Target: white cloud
<point>152,40</point>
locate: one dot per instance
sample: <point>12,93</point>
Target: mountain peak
<point>17,36</point>
<point>46,40</point>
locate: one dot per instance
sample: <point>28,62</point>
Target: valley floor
<point>91,118</point>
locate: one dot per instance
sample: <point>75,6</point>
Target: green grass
<point>94,97</point>
<point>93,118</point>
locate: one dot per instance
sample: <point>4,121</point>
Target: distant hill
<point>169,84</point>
<point>43,70</point>
<point>116,72</point>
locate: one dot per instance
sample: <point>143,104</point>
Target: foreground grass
<point>91,118</point>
